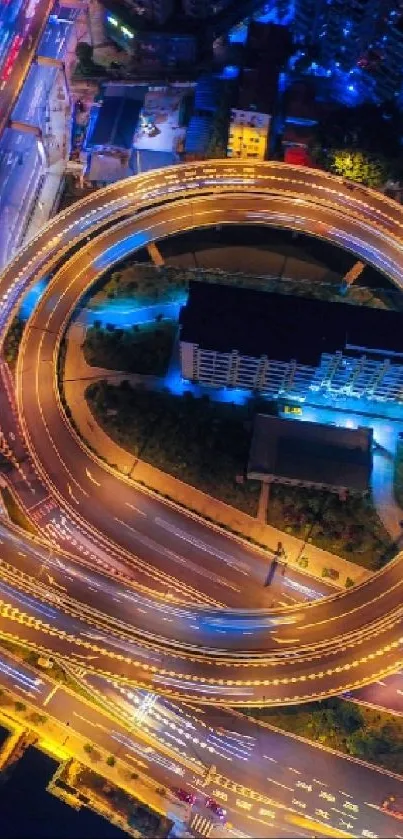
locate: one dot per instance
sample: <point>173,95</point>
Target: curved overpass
<point>343,641</point>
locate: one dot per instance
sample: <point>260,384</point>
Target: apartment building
<point>281,345</point>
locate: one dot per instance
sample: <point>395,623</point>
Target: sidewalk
<point>78,375</point>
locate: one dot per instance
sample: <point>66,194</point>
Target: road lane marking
<point>71,494</point>
<point>136,509</point>
<point>91,478</point>
<point>51,694</point>
<point>285,640</point>
<point>277,783</point>
<point>228,559</point>
<point>181,560</point>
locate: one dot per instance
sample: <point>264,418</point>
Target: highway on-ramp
<point>244,656</point>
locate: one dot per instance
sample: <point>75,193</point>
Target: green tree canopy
<point>84,53</point>
<point>349,716</point>
<point>358,166</point>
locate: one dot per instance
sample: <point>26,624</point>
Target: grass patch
<point>16,513</point>
<point>144,284</point>
<point>56,672</point>
<point>206,444</point>
<point>372,735</point>
<point>13,340</point>
<point>350,528</point>
<point>147,284</point>
<point>145,348</point>
<point>203,443</point>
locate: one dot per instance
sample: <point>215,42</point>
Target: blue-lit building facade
<point>282,346</point>
<point>359,42</point>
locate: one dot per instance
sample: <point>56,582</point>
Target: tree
<point>349,716</point>
<point>13,340</point>
<point>38,719</point>
<point>19,706</point>
<point>111,760</point>
<point>363,744</point>
<point>85,53</point>
<point>88,748</point>
<point>358,166</point>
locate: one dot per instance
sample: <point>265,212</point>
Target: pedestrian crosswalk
<point>201,826</point>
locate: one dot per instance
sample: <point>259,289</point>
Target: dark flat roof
<point>311,453</point>
<point>283,327</point>
<point>116,122</point>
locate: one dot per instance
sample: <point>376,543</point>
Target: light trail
<point>344,641</point>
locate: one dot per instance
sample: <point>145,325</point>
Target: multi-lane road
<point>268,783</point>
<point>327,647</point>
<point>151,632</point>
<point>21,27</point>
<point>22,154</point>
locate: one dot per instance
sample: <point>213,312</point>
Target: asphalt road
<point>30,29</point>
<point>21,163</point>
<point>263,778</point>
<point>80,483</point>
<point>48,616</point>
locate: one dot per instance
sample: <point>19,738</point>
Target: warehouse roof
<point>283,327</point>
<point>311,453</point>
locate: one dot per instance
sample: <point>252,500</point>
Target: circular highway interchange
<point>200,652</point>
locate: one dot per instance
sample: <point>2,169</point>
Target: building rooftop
<point>115,124</point>
<point>311,453</point>
<point>258,88</point>
<point>283,327</point>
<point>269,38</point>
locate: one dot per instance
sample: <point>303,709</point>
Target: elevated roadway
<point>203,655</point>
<point>28,31</point>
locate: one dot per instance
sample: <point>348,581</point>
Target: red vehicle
<point>184,795</point>
<point>218,811</point>
<point>393,805</point>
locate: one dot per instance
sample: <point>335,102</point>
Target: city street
<point>241,757</point>
<point>145,634</point>
<point>23,156</point>
<point>98,484</point>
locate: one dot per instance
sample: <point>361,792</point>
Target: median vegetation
<point>349,528</point>
<point>367,733</point>
<point>144,285</point>
<point>206,444</point>
<point>145,348</point>
<point>13,340</point>
<point>201,442</point>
